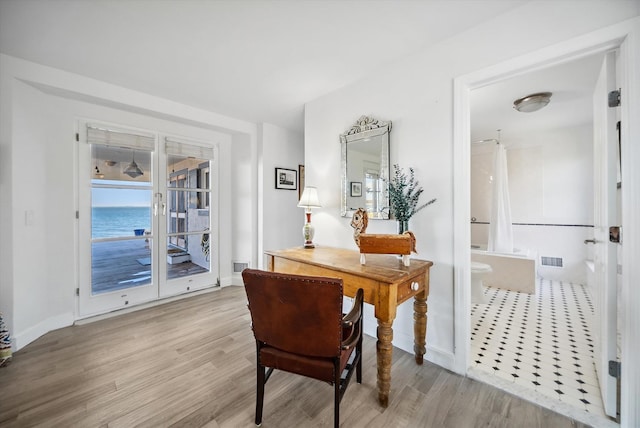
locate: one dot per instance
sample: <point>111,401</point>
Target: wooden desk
<point>386,284</point>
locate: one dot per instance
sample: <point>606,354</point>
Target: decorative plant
<point>404,194</point>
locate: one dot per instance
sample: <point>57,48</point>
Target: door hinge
<point>77,291</point>
<point>77,136</point>
<point>615,369</point>
<point>77,214</point>
<point>614,98</point>
<point>614,234</point>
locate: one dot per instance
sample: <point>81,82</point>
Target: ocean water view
<point>111,222</point>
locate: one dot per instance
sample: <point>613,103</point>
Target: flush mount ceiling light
<point>133,170</point>
<point>110,163</point>
<point>533,102</point>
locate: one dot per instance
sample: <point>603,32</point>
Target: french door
<point>147,217</point>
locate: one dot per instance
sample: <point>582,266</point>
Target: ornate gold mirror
<point>365,168</point>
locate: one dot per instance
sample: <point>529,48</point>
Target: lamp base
<point>307,233</point>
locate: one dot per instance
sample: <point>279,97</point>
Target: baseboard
<point>27,336</point>
<point>235,279</point>
<point>434,354</point>
<point>440,357</point>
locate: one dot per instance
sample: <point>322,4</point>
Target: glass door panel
<point>177,216</point>
<point>121,241</point>
<point>188,222</point>
<point>117,266</point>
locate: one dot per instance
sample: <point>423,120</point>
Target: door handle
<point>164,209</point>
<point>590,241</point>
<point>158,196</point>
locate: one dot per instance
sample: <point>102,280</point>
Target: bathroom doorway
<point>463,129</point>
<point>536,329</point>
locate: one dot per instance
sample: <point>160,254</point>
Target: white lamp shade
<point>309,198</point>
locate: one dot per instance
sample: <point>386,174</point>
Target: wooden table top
<point>380,267</point>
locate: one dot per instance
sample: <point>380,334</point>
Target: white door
<point>132,249</point>
<point>605,215</point>
<point>190,217</point>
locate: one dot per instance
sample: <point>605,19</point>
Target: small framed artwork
<point>286,179</point>
<point>356,188</point>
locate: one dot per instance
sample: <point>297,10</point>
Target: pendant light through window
<point>98,174</point>
<point>133,170</point>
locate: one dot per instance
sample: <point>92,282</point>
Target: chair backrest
<point>295,313</point>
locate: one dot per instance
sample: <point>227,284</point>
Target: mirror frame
<point>365,127</point>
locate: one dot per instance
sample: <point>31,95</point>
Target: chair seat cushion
<point>315,367</point>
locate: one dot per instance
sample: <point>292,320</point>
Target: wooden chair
<point>299,327</point>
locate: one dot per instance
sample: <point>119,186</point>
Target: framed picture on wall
<point>356,188</point>
<point>286,179</point>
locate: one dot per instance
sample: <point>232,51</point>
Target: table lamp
<point>309,200</point>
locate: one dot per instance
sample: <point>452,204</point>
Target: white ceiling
<point>572,85</point>
<point>259,61</point>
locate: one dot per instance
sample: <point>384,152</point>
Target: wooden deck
<point>117,265</point>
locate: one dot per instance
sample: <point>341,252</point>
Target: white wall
<point>243,232</point>
<point>550,184</point>
<point>39,274</point>
<point>6,194</point>
<point>282,220</point>
<point>416,95</point>
<point>31,266</point>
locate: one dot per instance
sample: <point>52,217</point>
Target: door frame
<point>626,36</point>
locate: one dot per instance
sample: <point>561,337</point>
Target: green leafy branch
<point>404,194</point>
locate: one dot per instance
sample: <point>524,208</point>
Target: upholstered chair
<point>299,328</point>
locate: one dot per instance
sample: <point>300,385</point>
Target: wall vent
<point>551,261</point>
<point>238,267</point>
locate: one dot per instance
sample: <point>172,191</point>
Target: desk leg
<point>420,326</point>
<point>384,353</point>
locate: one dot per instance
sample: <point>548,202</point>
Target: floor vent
<point>551,261</point>
<point>238,267</point>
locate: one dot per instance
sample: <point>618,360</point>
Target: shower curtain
<point>500,228</point>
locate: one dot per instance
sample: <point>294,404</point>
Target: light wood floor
<point>190,363</point>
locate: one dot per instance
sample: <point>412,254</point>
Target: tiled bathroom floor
<point>540,342</point>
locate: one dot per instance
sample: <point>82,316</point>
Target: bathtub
<point>512,271</point>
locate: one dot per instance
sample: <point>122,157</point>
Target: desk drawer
<point>406,288</point>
